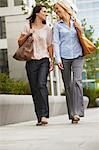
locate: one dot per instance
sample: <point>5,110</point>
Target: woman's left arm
<point>50,50</point>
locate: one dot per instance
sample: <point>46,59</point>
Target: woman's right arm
<point>26,32</point>
<point>56,42</point>
<point>22,38</point>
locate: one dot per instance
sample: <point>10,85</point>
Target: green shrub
<point>92,94</point>
<point>5,83</point>
<point>20,88</point>
<point>11,86</point>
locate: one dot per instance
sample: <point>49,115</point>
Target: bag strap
<point>78,27</point>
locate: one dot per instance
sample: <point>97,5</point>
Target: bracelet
<point>51,60</point>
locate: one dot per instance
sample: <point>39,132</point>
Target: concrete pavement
<point>59,134</point>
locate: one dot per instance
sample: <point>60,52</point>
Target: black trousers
<point>37,72</point>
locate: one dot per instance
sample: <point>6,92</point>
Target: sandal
<point>75,119</point>
<point>44,121</point>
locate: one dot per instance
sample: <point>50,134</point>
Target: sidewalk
<point>59,134</point>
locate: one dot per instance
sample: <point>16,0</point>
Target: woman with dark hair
<point>39,65</point>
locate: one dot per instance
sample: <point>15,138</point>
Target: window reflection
<point>18,2</point>
<point>3,3</point>
<point>2,28</point>
<point>3,61</point>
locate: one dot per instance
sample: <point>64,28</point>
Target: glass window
<point>18,2</point>
<point>88,13</point>
<point>3,61</point>
<point>2,28</point>
<point>88,5</point>
<point>3,3</point>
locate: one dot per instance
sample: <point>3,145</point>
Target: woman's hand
<point>60,66</point>
<point>51,66</point>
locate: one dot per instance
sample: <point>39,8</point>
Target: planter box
<point>20,108</point>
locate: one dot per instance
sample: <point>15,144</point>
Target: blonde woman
<point>69,58</point>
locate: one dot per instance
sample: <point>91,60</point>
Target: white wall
<point>3,43</point>
<point>7,11</point>
<point>14,26</point>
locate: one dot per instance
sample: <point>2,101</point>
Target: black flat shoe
<point>39,124</point>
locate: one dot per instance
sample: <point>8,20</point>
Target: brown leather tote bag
<point>87,45</point>
<point>25,51</point>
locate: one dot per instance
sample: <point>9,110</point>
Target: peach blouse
<point>42,39</point>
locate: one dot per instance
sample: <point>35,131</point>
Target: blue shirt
<point>65,41</point>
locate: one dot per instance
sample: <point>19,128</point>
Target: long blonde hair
<point>66,7</point>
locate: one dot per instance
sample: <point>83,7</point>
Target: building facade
<point>8,8</point>
<point>89,9</point>
<point>12,21</point>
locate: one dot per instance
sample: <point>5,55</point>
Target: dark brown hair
<point>32,17</point>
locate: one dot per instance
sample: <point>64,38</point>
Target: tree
<point>91,66</point>
<point>92,61</point>
<point>46,3</point>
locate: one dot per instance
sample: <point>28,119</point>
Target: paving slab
<point>59,134</point>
